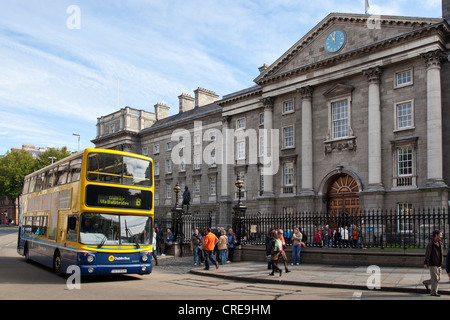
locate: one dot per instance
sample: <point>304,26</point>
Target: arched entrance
<point>343,199</point>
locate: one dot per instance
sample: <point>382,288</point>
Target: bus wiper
<point>103,242</point>
<point>131,235</point>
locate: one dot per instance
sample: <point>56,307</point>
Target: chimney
<point>186,102</point>
<point>161,110</point>
<point>446,10</point>
<point>204,97</point>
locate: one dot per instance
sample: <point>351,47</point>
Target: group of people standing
<point>213,247</point>
<point>275,249</point>
<point>346,237</point>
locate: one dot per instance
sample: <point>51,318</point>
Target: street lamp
<point>239,213</point>
<point>77,135</point>
<point>177,212</point>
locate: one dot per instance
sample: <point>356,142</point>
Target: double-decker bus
<point>94,210</point>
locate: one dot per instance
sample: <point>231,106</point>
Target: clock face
<point>335,41</point>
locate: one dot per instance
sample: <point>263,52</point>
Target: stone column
<point>268,126</point>
<point>307,140</point>
<point>374,129</point>
<point>433,61</point>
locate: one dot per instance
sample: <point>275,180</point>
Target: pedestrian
<point>159,237</point>
<point>269,237</point>
<point>318,238</point>
<point>447,265</point>
<point>296,246</point>
<point>344,235</point>
<point>196,246</point>
<point>168,241</point>
<point>275,251</point>
<point>209,242</point>
<point>154,251</point>
<point>222,247</point>
<point>283,253</point>
<point>433,261</point>
<point>355,237</point>
<point>231,244</point>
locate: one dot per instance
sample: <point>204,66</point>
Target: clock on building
<point>335,41</point>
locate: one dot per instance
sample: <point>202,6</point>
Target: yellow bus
<point>94,210</point>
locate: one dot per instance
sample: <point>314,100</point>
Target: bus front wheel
<point>57,263</point>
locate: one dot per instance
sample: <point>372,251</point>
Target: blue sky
<point>56,80</point>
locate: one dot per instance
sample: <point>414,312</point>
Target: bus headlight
<point>90,259</point>
<point>144,258</point>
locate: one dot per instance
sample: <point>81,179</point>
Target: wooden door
<point>343,200</point>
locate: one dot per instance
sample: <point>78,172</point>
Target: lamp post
<point>177,212</point>
<point>77,135</point>
<point>239,213</point>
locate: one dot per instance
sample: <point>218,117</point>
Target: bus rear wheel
<point>57,263</point>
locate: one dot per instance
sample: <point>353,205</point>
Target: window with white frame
<point>156,149</point>
<point>288,137</point>
<point>212,186</point>
<point>403,78</point>
<point>261,119</point>
<point>288,174</point>
<point>197,139</point>
<point>240,123</point>
<point>404,161</point>
<point>288,106</point>
<point>182,164</point>
<point>156,191</point>
<point>169,166</point>
<point>168,191</point>
<point>196,188</point>
<point>145,151</point>
<point>156,167</point>
<point>240,150</point>
<point>213,158</point>
<point>404,115</point>
<point>169,146</point>
<point>339,119</point>
<point>197,162</point>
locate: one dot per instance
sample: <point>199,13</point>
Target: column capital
<point>268,103</point>
<point>433,59</point>
<point>226,120</point>
<point>373,74</point>
<point>306,92</point>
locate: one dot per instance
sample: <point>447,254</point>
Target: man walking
<point>210,241</point>
<point>433,260</point>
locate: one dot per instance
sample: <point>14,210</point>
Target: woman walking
<point>275,251</point>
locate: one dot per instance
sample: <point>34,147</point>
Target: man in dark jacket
<point>433,260</point>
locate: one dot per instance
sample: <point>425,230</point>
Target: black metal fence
<point>183,227</point>
<point>403,229</point>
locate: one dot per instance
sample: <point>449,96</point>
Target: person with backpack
<point>275,252</point>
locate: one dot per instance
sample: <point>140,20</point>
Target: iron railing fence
<point>404,229</point>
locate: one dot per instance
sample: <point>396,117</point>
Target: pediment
<point>338,90</point>
<point>360,32</point>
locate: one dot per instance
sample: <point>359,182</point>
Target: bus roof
<point>85,151</point>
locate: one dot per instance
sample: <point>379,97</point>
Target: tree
<point>46,157</point>
<point>13,169</point>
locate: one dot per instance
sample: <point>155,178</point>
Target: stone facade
<point>364,126</point>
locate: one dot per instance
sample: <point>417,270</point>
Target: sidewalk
<point>392,278</point>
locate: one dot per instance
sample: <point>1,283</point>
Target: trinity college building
<point>355,115</point>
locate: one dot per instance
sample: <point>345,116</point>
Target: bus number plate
<point>119,271</point>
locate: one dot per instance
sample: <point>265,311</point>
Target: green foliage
<point>17,164</point>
